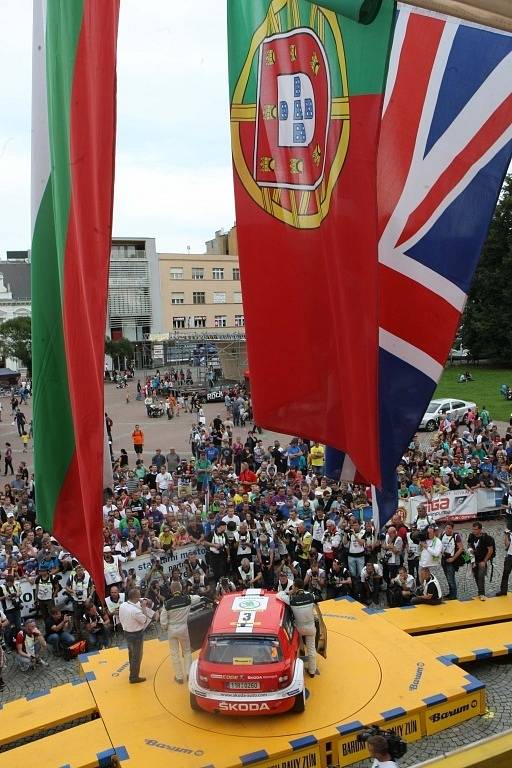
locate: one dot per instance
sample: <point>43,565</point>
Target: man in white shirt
<point>164,480</point>
<point>135,615</point>
<point>431,550</point>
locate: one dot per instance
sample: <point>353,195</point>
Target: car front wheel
<point>299,703</point>
<point>431,425</point>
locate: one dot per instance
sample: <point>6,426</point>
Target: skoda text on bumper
<point>260,703</point>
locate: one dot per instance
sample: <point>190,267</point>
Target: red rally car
<point>249,662</point>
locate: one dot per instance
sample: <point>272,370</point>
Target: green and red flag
<point>73,144</point>
<point>306,92</point>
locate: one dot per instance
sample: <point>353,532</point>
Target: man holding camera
<point>378,748</point>
<point>431,592</point>
<point>452,548</point>
<point>481,546</point>
<point>249,574</point>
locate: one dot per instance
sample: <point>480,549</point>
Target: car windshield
<point>243,650</point>
<point>432,408</point>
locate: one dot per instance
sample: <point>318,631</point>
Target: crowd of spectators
<point>252,515</point>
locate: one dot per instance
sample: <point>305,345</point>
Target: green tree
<point>119,350</point>
<point>16,340</point>
<point>485,326</point>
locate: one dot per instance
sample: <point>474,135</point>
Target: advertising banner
<point>169,560</point>
<point>457,505</point>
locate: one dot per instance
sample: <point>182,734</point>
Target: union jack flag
<point>445,146</point>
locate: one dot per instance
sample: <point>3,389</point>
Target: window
<point>199,322</point>
<point>239,321</point>
<point>197,273</point>
<point>178,322</point>
<point>236,273</point>
<point>220,321</point>
<point>219,297</point>
<point>176,273</point>
<point>198,297</point>
<point>237,297</point>
<point>177,298</point>
<point>227,649</point>
<point>218,273</point>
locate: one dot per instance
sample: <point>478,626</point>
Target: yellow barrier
<point>493,752</point>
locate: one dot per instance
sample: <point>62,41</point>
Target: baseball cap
<point>106,550</point>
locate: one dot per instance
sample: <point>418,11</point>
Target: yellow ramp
<point>471,643</point>
<point>415,619</point>
<point>45,709</point>
<point>85,746</point>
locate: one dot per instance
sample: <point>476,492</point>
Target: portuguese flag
<point>73,142</point>
<point>306,92</point>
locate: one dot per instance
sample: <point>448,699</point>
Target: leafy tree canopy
<point>485,326</point>
<point>16,340</point>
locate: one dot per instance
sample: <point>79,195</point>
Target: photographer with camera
<point>10,604</point>
<point>386,747</point>
<point>452,548</point>
<point>431,550</point>
<point>422,520</point>
<point>378,747</point>
<point>429,591</point>
<point>80,588</point>
<point>401,589</point>
<point>392,547</point>
<point>248,574</point>
<point>482,549</point>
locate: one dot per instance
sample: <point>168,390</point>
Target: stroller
<point>155,411</point>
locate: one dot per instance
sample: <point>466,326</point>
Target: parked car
<point>249,662</point>
<point>437,409</point>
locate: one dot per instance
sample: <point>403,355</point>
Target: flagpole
<point>490,13</point>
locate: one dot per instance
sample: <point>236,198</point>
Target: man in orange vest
<point>138,439</point>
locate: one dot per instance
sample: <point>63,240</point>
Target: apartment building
<point>202,292</point>
<point>133,287</point>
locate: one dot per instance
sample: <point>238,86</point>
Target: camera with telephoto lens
<point>397,747</point>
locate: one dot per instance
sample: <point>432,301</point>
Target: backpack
<point>72,651</point>
<point>462,559</point>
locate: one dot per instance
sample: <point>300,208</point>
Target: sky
<point>173,159</point>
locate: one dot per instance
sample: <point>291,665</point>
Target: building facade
<point>15,288</point>
<point>132,311</point>
<point>15,291</point>
<point>202,292</point>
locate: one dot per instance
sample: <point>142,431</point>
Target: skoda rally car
<point>249,662</point>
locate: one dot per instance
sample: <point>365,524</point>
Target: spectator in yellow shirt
<point>317,459</point>
<point>166,538</point>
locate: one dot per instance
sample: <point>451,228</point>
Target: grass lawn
<point>484,390</point>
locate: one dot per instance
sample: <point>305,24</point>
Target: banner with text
<point>168,560</point>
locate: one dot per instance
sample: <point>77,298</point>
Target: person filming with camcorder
<point>385,747</point>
